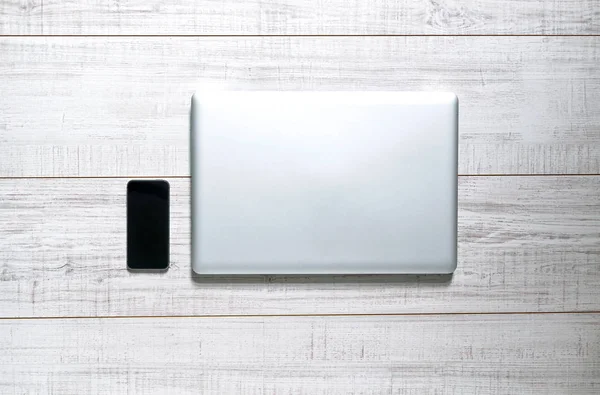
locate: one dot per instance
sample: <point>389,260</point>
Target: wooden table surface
<point>94,93</point>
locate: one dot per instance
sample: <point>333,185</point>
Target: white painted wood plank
<point>120,106</point>
<point>271,17</point>
<point>526,244</point>
<point>491,354</point>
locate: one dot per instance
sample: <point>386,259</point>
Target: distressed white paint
<point>280,17</point>
<point>465,354</point>
<point>525,244</point>
<point>120,106</point>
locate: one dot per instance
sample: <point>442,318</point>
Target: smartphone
<point>148,224</point>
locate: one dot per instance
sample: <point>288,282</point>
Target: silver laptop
<point>324,182</point>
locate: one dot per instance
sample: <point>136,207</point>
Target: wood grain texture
<point>550,354</point>
<point>120,106</point>
<point>284,17</point>
<point>526,244</point>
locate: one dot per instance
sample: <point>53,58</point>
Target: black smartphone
<point>148,224</point>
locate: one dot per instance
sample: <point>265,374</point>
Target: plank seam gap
<point>187,177</point>
<point>295,35</point>
<point>333,315</point>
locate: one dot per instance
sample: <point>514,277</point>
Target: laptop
<point>324,182</point>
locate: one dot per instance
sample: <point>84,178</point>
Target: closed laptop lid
<point>324,182</point>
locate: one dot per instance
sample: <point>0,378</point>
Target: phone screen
<point>147,224</point>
